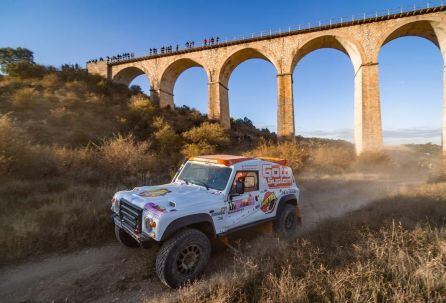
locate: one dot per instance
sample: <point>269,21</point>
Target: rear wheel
<point>183,257</point>
<point>286,224</point>
<point>124,238</point>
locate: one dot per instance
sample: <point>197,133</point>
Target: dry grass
<point>392,250</point>
<point>51,215</point>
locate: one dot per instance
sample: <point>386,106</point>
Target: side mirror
<point>239,187</point>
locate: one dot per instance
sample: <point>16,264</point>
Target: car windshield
<point>209,176</point>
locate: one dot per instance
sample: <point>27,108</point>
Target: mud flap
<point>266,228</point>
<point>298,215</point>
<point>225,241</point>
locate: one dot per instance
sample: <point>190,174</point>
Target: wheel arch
<point>202,222</point>
<point>288,199</point>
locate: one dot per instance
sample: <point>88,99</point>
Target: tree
<point>13,56</point>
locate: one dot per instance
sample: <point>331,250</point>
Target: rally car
<point>209,197</point>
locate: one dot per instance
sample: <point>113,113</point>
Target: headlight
<point>150,223</point>
<point>115,205</point>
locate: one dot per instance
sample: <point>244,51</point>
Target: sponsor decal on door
<point>277,176</point>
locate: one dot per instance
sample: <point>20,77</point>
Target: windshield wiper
<point>200,183</point>
<point>185,181</point>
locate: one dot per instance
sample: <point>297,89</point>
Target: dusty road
<point>111,273</point>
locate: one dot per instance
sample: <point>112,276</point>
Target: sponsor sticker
<point>238,205</point>
<point>277,176</point>
<point>268,203</point>
<point>154,208</point>
<point>151,193</point>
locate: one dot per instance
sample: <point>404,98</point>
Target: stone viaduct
<point>360,40</point>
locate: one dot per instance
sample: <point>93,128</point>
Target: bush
<point>197,149</point>
<point>25,70</point>
<point>294,153</point>
<point>122,157</point>
<point>331,159</point>
<point>26,98</point>
<point>374,161</point>
<point>210,133</point>
<point>15,149</point>
<point>167,140</point>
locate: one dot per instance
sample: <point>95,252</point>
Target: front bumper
<point>142,238</point>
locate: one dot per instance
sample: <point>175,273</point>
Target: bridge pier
<point>165,99</point>
<point>368,130</point>
<point>218,106</point>
<point>285,106</point>
<point>443,126</point>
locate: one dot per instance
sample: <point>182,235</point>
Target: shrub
<point>167,140</point>
<point>294,153</point>
<point>197,149</point>
<point>25,70</point>
<point>373,161</point>
<point>122,157</point>
<point>25,98</point>
<point>14,147</point>
<point>209,133</point>
<point>331,159</point>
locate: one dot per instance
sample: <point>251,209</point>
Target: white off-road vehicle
<point>209,197</point>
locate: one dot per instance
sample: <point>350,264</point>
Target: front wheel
<point>286,224</point>
<point>183,257</point>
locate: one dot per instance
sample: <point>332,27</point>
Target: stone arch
<point>170,75</point>
<point>434,30</point>
<point>238,57</point>
<point>351,48</point>
<point>127,74</point>
<point>367,115</point>
<point>218,88</point>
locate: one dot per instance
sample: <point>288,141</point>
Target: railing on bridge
<point>310,26</point>
<point>339,21</point>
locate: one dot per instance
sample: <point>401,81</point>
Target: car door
<point>242,207</point>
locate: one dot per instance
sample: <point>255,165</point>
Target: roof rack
<point>274,160</point>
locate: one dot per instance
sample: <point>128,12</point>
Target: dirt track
<point>111,273</point>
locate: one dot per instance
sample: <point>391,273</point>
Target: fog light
<point>150,224</point>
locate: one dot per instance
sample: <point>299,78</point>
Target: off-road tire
<point>124,238</point>
<point>183,257</point>
<point>286,224</point>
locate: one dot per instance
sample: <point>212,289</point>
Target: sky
<point>410,68</point>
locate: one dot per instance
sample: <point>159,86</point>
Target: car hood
<point>168,197</point>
